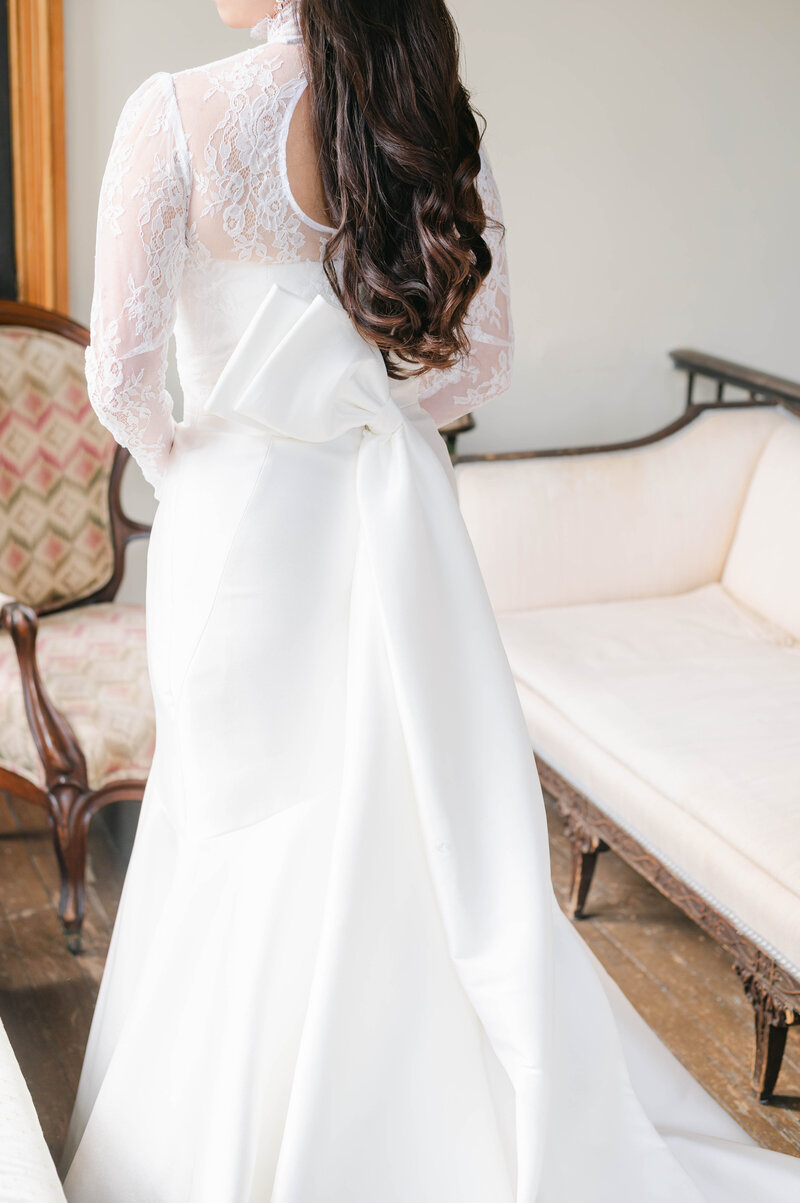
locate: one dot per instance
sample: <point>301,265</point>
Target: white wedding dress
<point>338,972</point>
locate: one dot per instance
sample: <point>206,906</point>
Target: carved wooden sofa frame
<point>773,991</point>
<point>67,798</point>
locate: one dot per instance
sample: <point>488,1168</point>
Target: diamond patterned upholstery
<point>94,664</point>
<point>55,463</point>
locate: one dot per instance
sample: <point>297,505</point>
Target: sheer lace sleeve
<point>141,247</point>
<point>485,371</point>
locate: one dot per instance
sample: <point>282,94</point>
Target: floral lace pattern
<point>197,182</point>
<point>141,248</point>
<point>239,190</point>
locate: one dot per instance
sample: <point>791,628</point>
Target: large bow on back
<point>302,371</point>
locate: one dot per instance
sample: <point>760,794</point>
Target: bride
<point>338,972</point>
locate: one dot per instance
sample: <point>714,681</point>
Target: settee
<point>648,597</point>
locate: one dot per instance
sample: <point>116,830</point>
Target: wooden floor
<point>685,987</point>
<point>677,978</point>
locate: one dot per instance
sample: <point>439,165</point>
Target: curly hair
<point>399,147</point>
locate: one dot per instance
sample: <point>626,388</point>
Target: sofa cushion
<point>763,566</point>
<point>614,525</point>
<point>93,661</point>
<point>680,717</point>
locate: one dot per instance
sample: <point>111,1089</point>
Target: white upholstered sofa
<point>649,600</point>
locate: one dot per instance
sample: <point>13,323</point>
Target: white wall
<point>647,155</point>
<point>111,46</point>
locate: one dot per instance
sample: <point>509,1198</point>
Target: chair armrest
<point>647,518</point>
<point>58,748</point>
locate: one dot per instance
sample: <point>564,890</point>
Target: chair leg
<point>70,817</point>
<point>69,800</point>
<point>772,1023</point>
<point>584,848</point>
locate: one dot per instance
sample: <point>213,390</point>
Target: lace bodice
<point>197,218</point>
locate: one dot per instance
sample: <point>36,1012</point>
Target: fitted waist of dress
<point>203,422</point>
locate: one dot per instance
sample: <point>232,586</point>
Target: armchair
<point>76,717</point>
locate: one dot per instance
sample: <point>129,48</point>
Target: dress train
<point>339,973</point>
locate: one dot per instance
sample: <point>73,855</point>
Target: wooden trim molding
<point>36,64</point>
<point>689,415</point>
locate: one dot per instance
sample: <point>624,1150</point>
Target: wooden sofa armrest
<point>724,372</point>
<point>58,748</point>
<point>648,517</point>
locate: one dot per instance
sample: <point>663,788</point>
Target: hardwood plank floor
<point>683,984</point>
<point>677,978</point>
<point>47,996</point>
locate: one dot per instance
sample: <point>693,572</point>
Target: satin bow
<point>301,370</point>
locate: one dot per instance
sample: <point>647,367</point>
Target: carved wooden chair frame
<point>771,989</point>
<point>67,797</point>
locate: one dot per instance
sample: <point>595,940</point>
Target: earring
<point>278,7</point>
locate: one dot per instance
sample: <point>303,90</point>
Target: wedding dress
<point>338,972</point>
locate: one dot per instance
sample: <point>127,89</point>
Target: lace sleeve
<point>485,371</point>
<point>140,252</point>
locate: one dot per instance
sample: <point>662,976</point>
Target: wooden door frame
<point>38,139</point>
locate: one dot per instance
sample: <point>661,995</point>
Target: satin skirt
<point>338,972</point>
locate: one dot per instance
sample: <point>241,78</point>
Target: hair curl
<point>399,151</point>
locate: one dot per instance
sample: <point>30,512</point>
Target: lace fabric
<point>240,204</point>
<point>140,255</point>
<point>196,182</point>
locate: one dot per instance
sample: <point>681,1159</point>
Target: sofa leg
<point>772,1023</point>
<point>770,1043</point>
<point>584,848</point>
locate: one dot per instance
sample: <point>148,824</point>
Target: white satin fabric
<point>338,972</point>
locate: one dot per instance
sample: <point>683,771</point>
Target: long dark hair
<point>400,153</point>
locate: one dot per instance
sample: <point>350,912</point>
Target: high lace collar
<point>283,27</point>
